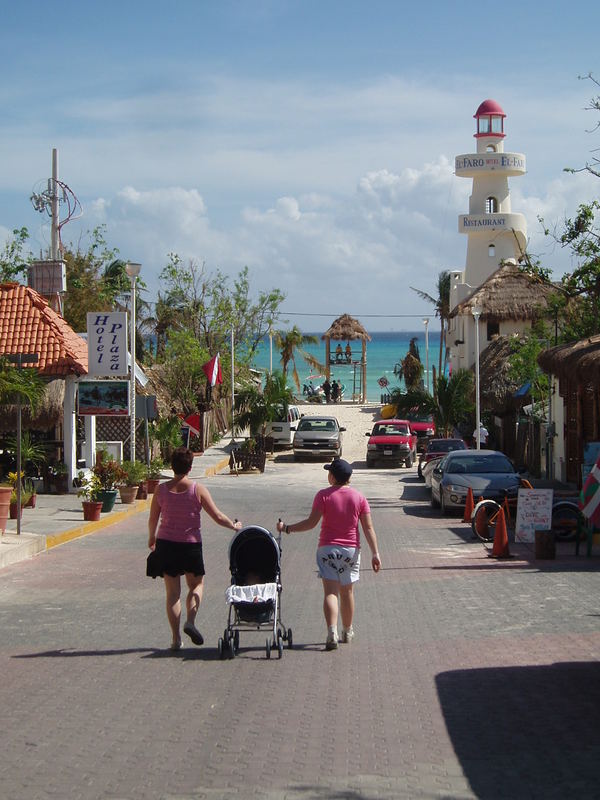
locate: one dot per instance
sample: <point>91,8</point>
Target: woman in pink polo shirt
<point>178,543</point>
<point>341,508</point>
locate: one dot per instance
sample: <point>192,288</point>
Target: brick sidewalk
<point>468,677</point>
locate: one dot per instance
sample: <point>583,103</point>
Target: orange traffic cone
<point>500,548</point>
<point>469,506</point>
<point>506,508</point>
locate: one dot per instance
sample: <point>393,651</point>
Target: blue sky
<point>313,142</point>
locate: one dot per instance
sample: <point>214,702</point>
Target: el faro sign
<point>107,343</point>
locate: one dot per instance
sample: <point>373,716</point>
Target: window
<point>496,124</point>
<point>493,329</point>
<point>491,205</point>
<point>491,250</point>
<point>483,124</point>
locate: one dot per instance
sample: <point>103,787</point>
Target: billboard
<point>103,398</point>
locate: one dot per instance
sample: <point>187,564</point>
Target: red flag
<point>212,370</point>
<point>589,498</point>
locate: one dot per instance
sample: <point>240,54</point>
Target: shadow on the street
<point>525,731</point>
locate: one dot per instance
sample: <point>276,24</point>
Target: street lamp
<point>476,311</point>
<point>426,323</point>
<point>133,270</point>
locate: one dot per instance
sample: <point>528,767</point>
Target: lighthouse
<point>495,235</point>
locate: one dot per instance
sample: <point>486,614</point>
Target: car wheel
<point>420,472</point>
<point>434,502</point>
<point>409,461</point>
<point>370,463</point>
<point>443,508</point>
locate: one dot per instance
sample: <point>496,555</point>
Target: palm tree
<point>442,308</point>
<point>254,408</point>
<point>290,342</point>
<point>449,405</point>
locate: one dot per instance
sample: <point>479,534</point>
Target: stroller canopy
<point>254,556</point>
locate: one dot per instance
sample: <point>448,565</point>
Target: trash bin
<point>545,544</point>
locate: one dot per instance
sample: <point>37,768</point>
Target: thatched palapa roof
<point>496,386</point>
<point>508,294</point>
<point>48,413</point>
<point>577,361</point>
<point>346,328</point>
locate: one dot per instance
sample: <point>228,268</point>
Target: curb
<point>90,527</point>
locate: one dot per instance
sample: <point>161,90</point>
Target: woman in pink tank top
<point>177,544</point>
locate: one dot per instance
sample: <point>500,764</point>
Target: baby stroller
<point>254,594</point>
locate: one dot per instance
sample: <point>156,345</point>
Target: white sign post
<point>534,513</point>
<point>107,343</point>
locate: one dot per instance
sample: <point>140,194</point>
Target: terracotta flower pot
<point>14,510</point>
<point>91,510</point>
<point>5,492</point>
<point>128,494</point>
<point>142,493</point>
<point>31,502</point>
<point>151,484</point>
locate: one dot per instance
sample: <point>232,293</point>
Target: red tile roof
<point>29,325</point>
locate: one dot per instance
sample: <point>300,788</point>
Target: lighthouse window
<point>491,205</point>
<point>484,124</point>
<point>496,124</point>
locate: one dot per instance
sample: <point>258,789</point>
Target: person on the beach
<point>335,391</point>
<point>326,386</point>
<point>341,508</point>
<point>339,353</point>
<point>178,544</point>
<point>348,353</point>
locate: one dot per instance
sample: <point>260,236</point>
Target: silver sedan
<point>488,473</point>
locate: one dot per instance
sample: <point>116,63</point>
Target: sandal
<point>193,632</point>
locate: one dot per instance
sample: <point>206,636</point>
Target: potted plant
<point>5,493</point>
<point>154,472</point>
<point>109,473</point>
<point>89,491</point>
<point>31,491</point>
<point>134,473</point>
<point>14,510</point>
<point>59,477</point>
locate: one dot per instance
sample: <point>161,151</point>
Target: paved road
<point>468,677</point>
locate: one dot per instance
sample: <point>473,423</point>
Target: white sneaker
<point>332,641</point>
<point>347,635</point>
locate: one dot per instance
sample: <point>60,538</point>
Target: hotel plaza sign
<point>472,164</point>
<point>107,343</point>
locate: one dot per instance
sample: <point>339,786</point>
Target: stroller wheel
<point>231,648</point>
<point>236,641</point>
<point>268,648</point>
<point>280,646</point>
<point>290,640</point>
<point>220,648</point>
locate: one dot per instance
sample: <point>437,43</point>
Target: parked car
<point>284,427</point>
<point>318,437</point>
<point>423,426</point>
<point>488,473</point>
<point>437,448</point>
<point>427,471</point>
<point>391,443</point>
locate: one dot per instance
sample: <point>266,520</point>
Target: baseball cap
<point>341,469</point>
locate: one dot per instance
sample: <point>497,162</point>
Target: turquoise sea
<point>385,350</point>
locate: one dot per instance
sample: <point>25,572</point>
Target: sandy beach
<point>356,418</point>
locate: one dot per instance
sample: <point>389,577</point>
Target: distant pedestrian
<point>335,391</point>
<point>483,435</point>
<point>177,546</point>
<point>339,354</point>
<point>348,353</point>
<point>326,386</point>
<point>341,508</point>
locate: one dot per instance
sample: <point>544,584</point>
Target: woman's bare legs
<point>347,605</point>
<point>173,591</point>
<point>195,584</point>
<point>331,590</point>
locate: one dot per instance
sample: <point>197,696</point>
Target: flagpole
<point>232,387</point>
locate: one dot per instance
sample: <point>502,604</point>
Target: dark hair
<point>182,460</point>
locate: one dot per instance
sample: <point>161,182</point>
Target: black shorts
<point>175,558</point>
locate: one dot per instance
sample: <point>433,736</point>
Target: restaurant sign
<point>107,343</point>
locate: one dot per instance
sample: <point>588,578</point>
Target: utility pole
<point>54,208</point>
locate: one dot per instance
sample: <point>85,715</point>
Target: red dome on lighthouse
<point>490,120</point>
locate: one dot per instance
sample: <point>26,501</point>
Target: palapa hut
<point>510,300</point>
<point>576,405</point>
<point>348,329</point>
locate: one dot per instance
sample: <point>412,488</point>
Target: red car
<point>423,426</point>
<point>438,448</point>
<point>392,443</point>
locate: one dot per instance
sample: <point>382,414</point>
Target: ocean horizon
<point>384,351</point>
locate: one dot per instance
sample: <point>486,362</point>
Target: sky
<point>311,141</point>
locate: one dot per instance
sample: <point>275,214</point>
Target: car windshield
<point>415,417</point>
<point>445,445</point>
<point>478,465</point>
<point>390,430</point>
<point>315,425</point>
